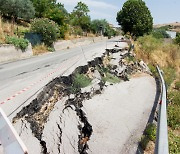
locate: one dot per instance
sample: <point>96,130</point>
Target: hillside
<point>172,26</point>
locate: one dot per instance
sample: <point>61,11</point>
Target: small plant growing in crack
<point>149,135</point>
<point>106,75</point>
<point>111,78</point>
<point>80,81</point>
<point>130,59</point>
<point>102,70</point>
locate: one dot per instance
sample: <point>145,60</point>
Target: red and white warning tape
<point>35,83</point>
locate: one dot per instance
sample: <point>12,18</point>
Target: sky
<point>163,11</point>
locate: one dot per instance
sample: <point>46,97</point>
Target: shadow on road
<point>152,116</point>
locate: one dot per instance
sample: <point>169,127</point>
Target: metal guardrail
<point>162,131</point>
<point>10,142</point>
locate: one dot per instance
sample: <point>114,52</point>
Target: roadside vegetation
<point>80,81</point>
<point>107,75</point>
<point>42,22</point>
<point>110,78</point>
<point>149,135</point>
<point>17,42</point>
<point>155,51</point>
<point>177,39</point>
<point>39,49</point>
<point>155,47</point>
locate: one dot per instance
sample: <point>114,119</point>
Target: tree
<point>60,18</point>
<point>61,7</point>
<point>98,26</point>
<point>56,15</point>
<point>135,18</point>
<point>54,11</point>
<point>17,9</point>
<point>79,16</point>
<point>48,29</point>
<point>26,10</point>
<point>45,8</point>
<point>102,26</point>
<point>41,7</point>
<point>81,9</point>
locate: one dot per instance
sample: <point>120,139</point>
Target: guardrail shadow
<point>152,116</point>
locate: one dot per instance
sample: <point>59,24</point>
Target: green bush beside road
<point>17,42</point>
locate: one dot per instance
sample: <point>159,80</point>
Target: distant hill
<point>171,26</point>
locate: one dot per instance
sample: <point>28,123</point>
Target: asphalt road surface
<point>21,80</point>
<point>118,116</point>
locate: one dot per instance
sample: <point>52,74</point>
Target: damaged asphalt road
<point>13,80</point>
<point>64,118</point>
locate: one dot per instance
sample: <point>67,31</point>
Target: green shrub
<point>153,70</point>
<point>174,97</point>
<point>160,33</point>
<point>78,31</point>
<point>102,70</point>
<point>80,81</point>
<point>144,141</point>
<point>63,29</point>
<point>169,75</point>
<point>108,76</point>
<point>21,32</point>
<point>47,28</point>
<point>174,143</point>
<point>17,42</point>
<point>149,134</point>
<point>50,49</point>
<point>177,39</point>
<point>174,116</point>
<point>150,131</point>
<point>177,85</point>
<point>166,28</point>
<point>173,110</point>
<point>149,43</point>
<point>109,32</point>
<point>130,59</point>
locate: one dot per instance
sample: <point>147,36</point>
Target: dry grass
<point>2,36</point>
<point>150,148</point>
<point>70,37</point>
<point>40,49</point>
<point>8,29</point>
<point>172,24</point>
<point>91,35</point>
<point>165,55</point>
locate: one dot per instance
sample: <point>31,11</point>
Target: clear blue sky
<point>163,11</point>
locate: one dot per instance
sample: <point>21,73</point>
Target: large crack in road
<point>57,107</point>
